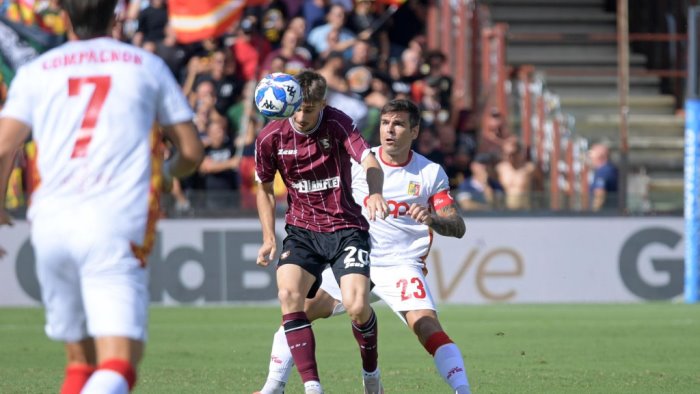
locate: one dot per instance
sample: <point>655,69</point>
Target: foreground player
<point>312,150</point>
<point>418,193</point>
<point>90,104</point>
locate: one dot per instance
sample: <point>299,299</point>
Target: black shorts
<point>346,250</point>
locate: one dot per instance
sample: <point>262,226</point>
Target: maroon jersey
<point>315,168</point>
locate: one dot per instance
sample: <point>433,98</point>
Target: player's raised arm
<point>376,205</point>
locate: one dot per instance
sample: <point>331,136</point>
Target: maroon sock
<point>366,336</point>
<point>302,344</point>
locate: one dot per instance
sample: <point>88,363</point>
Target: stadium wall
<point>513,260</point>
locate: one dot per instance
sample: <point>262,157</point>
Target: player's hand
<point>420,214</point>
<point>5,219</point>
<point>377,207</point>
<point>266,253</point>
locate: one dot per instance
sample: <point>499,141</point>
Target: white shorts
<point>91,284</point>
<point>402,287</point>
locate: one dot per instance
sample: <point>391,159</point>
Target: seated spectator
<point>332,36</point>
<point>332,71</point>
<point>435,61</point>
<point>314,13</point>
<point>493,133</point>
<point>298,25</point>
<point>428,145</point>
<point>481,190</point>
<point>603,189</point>
<point>294,62</point>
<point>518,176</point>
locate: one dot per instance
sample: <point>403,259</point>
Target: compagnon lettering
<point>78,58</point>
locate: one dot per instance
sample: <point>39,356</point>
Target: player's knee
<point>356,309</point>
<point>290,297</point>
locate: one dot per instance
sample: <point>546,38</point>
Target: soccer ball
<point>278,96</point>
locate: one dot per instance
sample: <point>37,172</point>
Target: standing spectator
<point>312,151</point>
<point>249,49</point>
<point>93,217</point>
<point>219,169</point>
<point>518,176</point>
<point>364,22</point>
<point>603,189</point>
<point>152,22</point>
<point>405,240</point>
<point>171,52</point>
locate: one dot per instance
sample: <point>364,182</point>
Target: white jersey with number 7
<point>91,106</point>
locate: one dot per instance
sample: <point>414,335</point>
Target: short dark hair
<point>403,105</point>
<point>313,86</point>
<point>90,18</point>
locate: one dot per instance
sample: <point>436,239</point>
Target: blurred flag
<point>20,44</point>
<point>196,20</point>
<point>397,3</point>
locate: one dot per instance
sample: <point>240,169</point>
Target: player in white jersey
<point>91,105</point>
<point>417,191</point>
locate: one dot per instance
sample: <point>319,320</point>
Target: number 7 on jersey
<point>92,112</point>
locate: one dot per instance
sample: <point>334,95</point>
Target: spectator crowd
<point>369,51</point>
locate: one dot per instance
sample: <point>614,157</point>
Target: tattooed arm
<point>445,221</point>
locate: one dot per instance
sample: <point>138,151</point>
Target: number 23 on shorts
<point>411,288</point>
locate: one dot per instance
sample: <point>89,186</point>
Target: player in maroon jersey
<point>312,151</point>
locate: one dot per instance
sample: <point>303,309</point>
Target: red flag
<point>196,20</point>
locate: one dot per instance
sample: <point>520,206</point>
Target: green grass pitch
<point>635,348</point>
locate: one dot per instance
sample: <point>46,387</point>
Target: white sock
<point>106,381</point>
<point>273,387</point>
<point>313,386</point>
<point>449,363</point>
<point>281,361</point>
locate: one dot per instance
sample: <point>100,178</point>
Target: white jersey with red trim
<point>399,239</point>
<point>91,106</point>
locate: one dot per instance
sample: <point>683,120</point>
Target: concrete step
<point>560,50</point>
<point>653,160</point>
<point>606,126</point>
<point>590,90</point>
<point>552,15</point>
<point>599,80</point>
<point>572,28</point>
<point>597,4</point>
<point>580,106</point>
<point>544,59</point>
<point>667,184</point>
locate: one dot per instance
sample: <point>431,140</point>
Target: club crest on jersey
<point>413,188</point>
<point>325,143</point>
